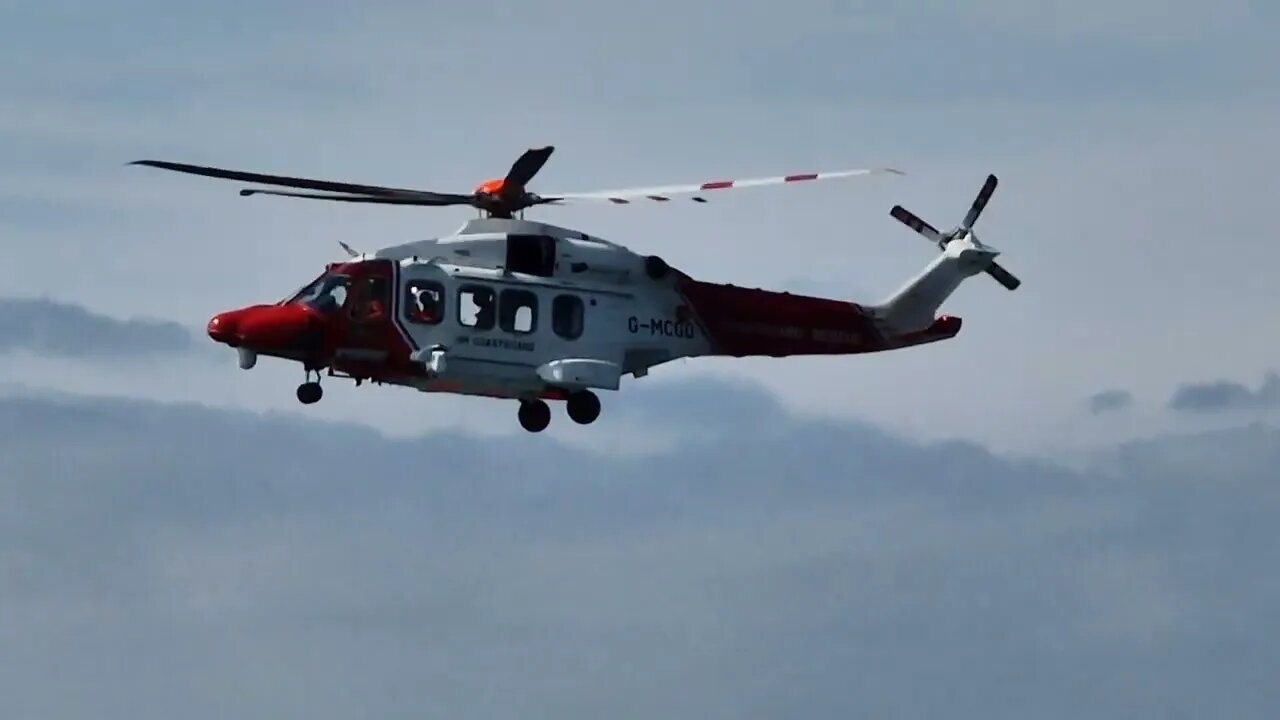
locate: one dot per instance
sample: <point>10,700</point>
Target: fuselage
<point>511,308</point>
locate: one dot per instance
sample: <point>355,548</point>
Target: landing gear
<point>310,391</point>
<point>534,415</point>
<point>583,407</point>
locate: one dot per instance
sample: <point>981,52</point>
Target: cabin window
<point>370,300</point>
<point>476,307</point>
<point>567,316</point>
<point>424,302</point>
<point>519,311</point>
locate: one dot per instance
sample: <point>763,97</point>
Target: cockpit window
<point>327,294</point>
<point>370,300</point>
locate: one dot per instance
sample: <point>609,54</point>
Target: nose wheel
<point>310,391</point>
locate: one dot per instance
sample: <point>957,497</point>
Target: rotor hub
<point>491,187</point>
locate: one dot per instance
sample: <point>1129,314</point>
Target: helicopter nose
<point>273,327</point>
<point>222,327</point>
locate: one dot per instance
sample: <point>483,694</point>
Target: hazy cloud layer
<point>1225,395</point>
<point>1110,401</point>
<point>60,329</point>
<point>165,560</point>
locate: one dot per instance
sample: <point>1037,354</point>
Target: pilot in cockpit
<point>369,306</point>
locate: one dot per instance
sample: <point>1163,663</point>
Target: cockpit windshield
<point>328,293</point>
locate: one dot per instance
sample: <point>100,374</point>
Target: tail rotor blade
<point>1002,276</point>
<point>980,202</point>
<point>911,220</point>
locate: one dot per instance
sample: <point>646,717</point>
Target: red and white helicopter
<point>511,308</point>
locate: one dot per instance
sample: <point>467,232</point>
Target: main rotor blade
<point>526,166</point>
<point>1002,276</point>
<point>304,183</point>
<point>913,221</point>
<point>383,200</point>
<point>979,202</point>
<point>664,193</point>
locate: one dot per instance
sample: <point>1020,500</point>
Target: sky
<point>1064,507</point>
<point>1135,149</point>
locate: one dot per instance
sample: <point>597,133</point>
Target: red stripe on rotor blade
<point>797,178</point>
<point>717,185</point>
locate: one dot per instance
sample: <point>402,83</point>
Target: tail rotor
<point>979,203</point>
<point>964,230</point>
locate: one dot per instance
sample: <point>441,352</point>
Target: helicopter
<point>511,308</point>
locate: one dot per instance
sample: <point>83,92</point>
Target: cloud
<point>1110,401</point>
<point>59,329</point>
<point>262,566</point>
<point>1211,461</point>
<point>1225,396</point>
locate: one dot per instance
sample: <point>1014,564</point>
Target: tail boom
<point>744,322</point>
<point>914,306</point>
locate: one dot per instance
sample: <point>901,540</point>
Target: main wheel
<point>583,407</point>
<point>534,415</point>
<point>310,392</point>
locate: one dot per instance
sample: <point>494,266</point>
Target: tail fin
<point>913,306</point>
